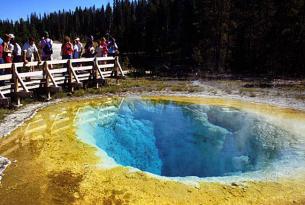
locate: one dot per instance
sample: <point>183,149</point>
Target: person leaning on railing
<point>17,51</point>
<point>89,48</point>
<point>7,49</point>
<point>1,52</point>
<point>30,52</point>
<point>102,49</point>
<point>113,51</point>
<point>1,59</point>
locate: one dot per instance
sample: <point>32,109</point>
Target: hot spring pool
<point>178,140</point>
<point>157,150</point>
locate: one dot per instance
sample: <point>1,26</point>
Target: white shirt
<point>11,46</point>
<point>78,47</point>
<point>17,50</point>
<point>29,49</point>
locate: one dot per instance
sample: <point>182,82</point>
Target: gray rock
<point>4,162</point>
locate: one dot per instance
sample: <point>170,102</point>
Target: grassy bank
<point>3,113</point>
<point>276,89</point>
<point>129,85</point>
<point>135,86</point>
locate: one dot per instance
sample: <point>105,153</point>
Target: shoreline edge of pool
<point>45,149</point>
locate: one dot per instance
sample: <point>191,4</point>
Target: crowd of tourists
<point>105,47</point>
<point>12,52</point>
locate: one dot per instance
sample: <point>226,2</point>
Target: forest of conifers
<point>221,36</point>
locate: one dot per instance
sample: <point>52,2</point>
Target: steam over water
<point>179,140</point>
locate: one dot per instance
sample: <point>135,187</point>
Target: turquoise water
<point>175,140</point>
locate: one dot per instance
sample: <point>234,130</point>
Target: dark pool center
<point>179,140</point>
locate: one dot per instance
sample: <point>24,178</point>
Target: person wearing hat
<point>7,49</point>
<point>11,45</point>
<point>46,45</point>
<point>16,49</point>
<point>78,48</point>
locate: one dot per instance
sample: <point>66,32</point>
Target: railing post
<point>95,72</point>
<point>15,85</point>
<point>119,65</point>
<point>70,75</point>
<point>47,78</point>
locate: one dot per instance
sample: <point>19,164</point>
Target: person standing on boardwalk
<point>7,49</point>
<point>113,49</point>
<point>11,45</point>
<point>67,48</point>
<point>78,49</point>
<point>1,59</point>
<point>17,51</point>
<point>114,52</point>
<point>89,48</point>
<point>46,45</point>
<point>102,49</point>
<point>30,52</point>
<point>1,52</point>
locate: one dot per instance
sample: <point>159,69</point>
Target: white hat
<point>11,35</point>
<point>77,39</point>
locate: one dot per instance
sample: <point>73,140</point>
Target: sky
<point>22,8</point>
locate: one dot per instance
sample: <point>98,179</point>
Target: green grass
<point>138,86</point>
<point>141,85</point>
<point>3,113</point>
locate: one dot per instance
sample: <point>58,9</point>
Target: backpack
<point>47,49</point>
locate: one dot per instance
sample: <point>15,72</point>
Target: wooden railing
<point>21,79</point>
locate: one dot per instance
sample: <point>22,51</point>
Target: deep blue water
<point>176,140</point>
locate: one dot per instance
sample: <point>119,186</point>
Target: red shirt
<point>67,49</point>
<point>105,48</point>
<point>1,51</point>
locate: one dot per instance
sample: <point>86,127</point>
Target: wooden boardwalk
<point>22,79</point>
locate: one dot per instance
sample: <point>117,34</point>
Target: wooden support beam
<point>5,77</point>
<point>72,75</point>
<point>83,68</point>
<point>101,73</point>
<point>20,80</point>
<point>46,76</point>
<point>59,70</point>
<point>105,58</point>
<point>119,66</point>
<point>97,71</point>
<point>1,95</point>
<point>106,66</point>
<point>49,74</point>
<point>56,62</point>
<point>73,71</point>
<point>15,85</point>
